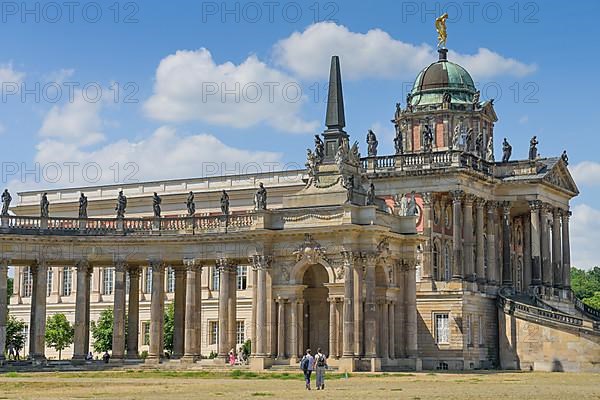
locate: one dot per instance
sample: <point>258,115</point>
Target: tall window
<point>27,282</point>
<point>481,331</point>
<point>213,332</point>
<point>436,262</point>
<point>242,277</point>
<point>148,280</point>
<point>447,267</point>
<point>215,279</point>
<point>442,329</point>
<point>67,283</point>
<point>469,330</point>
<point>170,279</point>
<point>49,274</point>
<point>108,281</point>
<point>240,332</point>
<point>146,333</point>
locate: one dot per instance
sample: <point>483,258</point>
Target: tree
<point>593,301</point>
<point>59,333</point>
<point>169,328</point>
<point>9,289</point>
<point>15,333</point>
<point>102,331</point>
<point>586,286</point>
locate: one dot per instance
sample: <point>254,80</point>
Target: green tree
<point>14,333</point>
<point>59,333</point>
<point>593,301</point>
<point>169,328</point>
<point>9,289</point>
<point>102,331</point>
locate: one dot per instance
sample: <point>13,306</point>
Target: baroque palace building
<point>436,257</point>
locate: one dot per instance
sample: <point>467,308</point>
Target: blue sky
<point>161,67</point>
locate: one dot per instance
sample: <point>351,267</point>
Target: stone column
<point>3,305</point>
<point>301,327</point>
<point>332,327</point>
<point>469,243</point>
<point>88,300</point>
<point>224,286</point>
<point>527,258</point>
<point>457,270</point>
<point>392,326</point>
<point>118,341</point>
<point>294,330</point>
<point>556,250</point>
<point>81,326</point>
<point>348,311</point>
<point>198,324</point>
<point>157,306</point>
<point>410,313</point>
<point>480,250</point>
<point>254,274</point>
<point>133,313</point>
<point>385,326</point>
<point>232,308</point>
<point>427,233</point>
<point>280,328</point>
<point>261,263</point>
<point>37,328</point>
<point>16,294</point>
<point>492,276</point>
<point>189,352</point>
<point>546,264</point>
<point>506,271</point>
<point>358,304</point>
<point>179,312</point>
<point>566,250</point>
<point>370,307</point>
<point>536,252</point>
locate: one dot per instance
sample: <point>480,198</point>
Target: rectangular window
<point>108,282</point>
<point>215,279</point>
<point>146,333</point>
<point>148,280</point>
<point>481,331</point>
<point>49,274</point>
<point>240,332</point>
<point>213,332</point>
<point>442,329</point>
<point>67,281</point>
<point>242,277</point>
<point>170,280</point>
<point>27,282</point>
<point>469,330</point>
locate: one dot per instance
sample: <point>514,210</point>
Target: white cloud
<point>376,54</point>
<point>9,74</point>
<point>586,173</point>
<point>78,121</point>
<point>585,236</point>
<point>163,155</point>
<point>59,76</point>
<point>191,86</point>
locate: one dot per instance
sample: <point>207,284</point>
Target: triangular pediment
<point>560,177</point>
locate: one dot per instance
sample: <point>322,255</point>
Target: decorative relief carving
<point>310,249</point>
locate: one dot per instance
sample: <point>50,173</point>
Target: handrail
<point>586,310</point>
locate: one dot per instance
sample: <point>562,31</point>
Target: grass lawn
<point>163,385</point>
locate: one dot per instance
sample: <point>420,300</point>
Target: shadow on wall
<point>557,366</point>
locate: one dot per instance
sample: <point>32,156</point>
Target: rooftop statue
<point>533,148</point>
<point>44,206</point>
<point>372,144</point>
<point>6,199</point>
<point>83,203</point>
<point>489,153</point>
<point>427,139</point>
<point>260,198</point>
<point>398,145</point>
<point>311,167</point>
<point>225,203</point>
<point>191,207</point>
<point>565,157</point>
<point>412,205</point>
<point>456,136</point>
<point>440,26</point>
<point>506,151</point>
<point>121,205</point>
<point>401,202</point>
<point>354,154</point>
<point>156,200</point>
<point>371,195</point>
<point>348,184</point>
<point>319,149</point>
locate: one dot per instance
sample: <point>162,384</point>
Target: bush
<point>212,355</point>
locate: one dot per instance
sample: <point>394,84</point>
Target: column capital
<point>427,197</point>
<point>260,261</point>
<point>192,264</point>
<point>480,203</point>
<point>469,199</point>
<point>565,214</point>
<point>457,195</point>
<point>120,265</point>
<point>225,265</point>
<point>4,263</point>
<point>281,300</point>
<point>82,265</point>
<point>133,269</point>
<point>492,205</point>
<point>506,208</point>
<point>534,205</point>
<point>156,264</point>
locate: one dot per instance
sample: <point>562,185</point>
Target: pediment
<point>560,177</point>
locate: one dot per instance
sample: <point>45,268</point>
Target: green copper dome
<point>442,77</point>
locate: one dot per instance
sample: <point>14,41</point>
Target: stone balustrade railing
<point>510,306</point>
<point>587,310</point>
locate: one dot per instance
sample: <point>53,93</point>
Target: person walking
<point>320,367</point>
<point>307,365</point>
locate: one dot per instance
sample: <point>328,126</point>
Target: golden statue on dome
<point>440,26</point>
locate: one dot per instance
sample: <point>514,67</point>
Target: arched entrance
<point>316,308</point>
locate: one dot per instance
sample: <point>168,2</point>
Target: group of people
<point>241,358</point>
<point>317,363</point>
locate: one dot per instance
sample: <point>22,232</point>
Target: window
<point>469,330</point>
<point>49,274</point>
<point>146,333</point>
<point>481,331</point>
<point>27,282</point>
<point>442,366</point>
<point>213,332</point>
<point>25,332</point>
<point>436,263</point>
<point>108,282</point>
<point>447,267</point>
<point>215,279</point>
<point>170,280</point>
<point>240,332</point>
<point>242,278</point>
<point>67,281</point>
<point>148,280</point>
<point>442,329</point>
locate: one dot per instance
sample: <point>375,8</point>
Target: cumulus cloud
<point>78,121</point>
<point>586,173</point>
<point>585,236</point>
<point>9,74</point>
<point>190,85</point>
<point>375,54</point>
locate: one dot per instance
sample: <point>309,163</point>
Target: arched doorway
<point>316,308</point>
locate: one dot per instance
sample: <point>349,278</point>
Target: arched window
<point>435,261</point>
